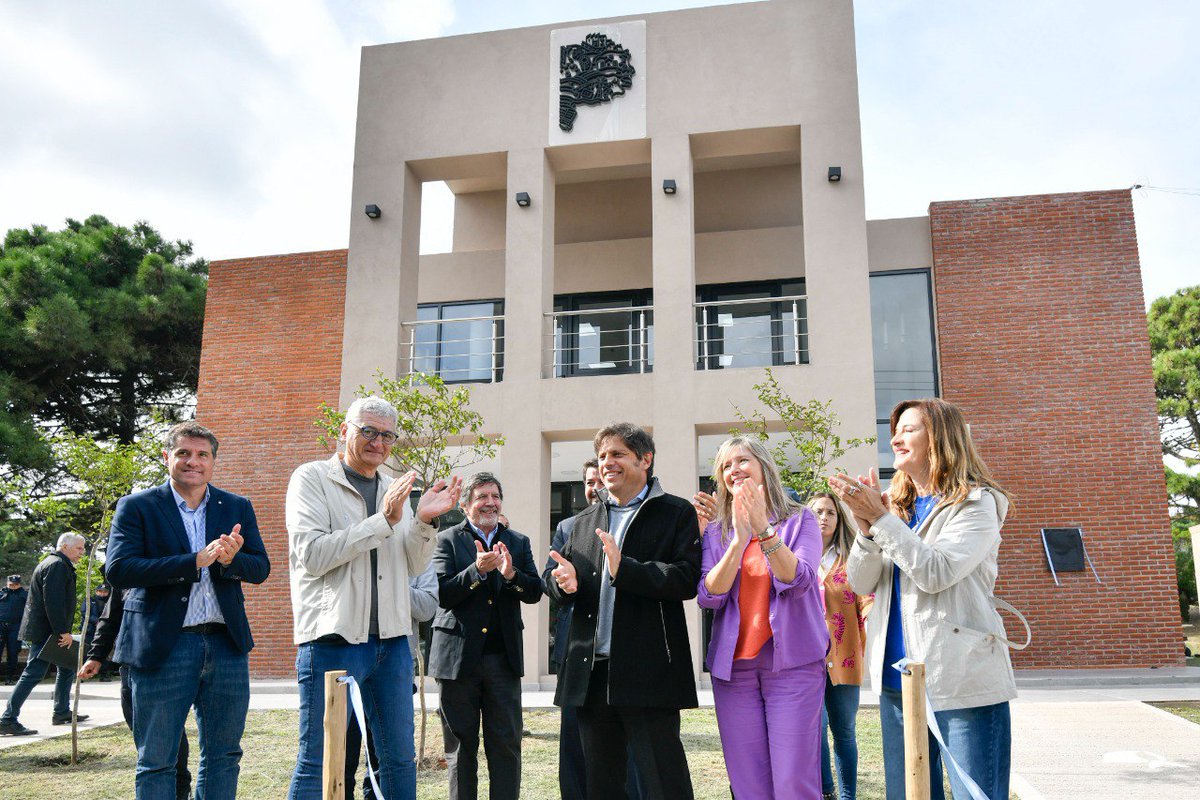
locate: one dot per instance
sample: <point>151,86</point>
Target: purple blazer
<point>797,616</point>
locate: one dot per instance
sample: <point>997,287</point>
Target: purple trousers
<point>770,724</point>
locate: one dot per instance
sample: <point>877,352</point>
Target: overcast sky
<point>231,122</point>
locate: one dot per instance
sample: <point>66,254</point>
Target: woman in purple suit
<point>767,654</point>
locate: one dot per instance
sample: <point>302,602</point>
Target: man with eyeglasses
<point>353,542</point>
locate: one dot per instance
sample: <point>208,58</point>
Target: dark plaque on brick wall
<point>592,72</point>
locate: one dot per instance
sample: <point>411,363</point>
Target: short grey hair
<point>477,480</point>
<point>69,538</point>
<point>374,405</point>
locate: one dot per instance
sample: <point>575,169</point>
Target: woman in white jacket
<point>928,550</point>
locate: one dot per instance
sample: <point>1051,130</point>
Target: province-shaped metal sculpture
<point>592,72</point>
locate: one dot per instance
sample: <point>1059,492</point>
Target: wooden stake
<point>916,733</point>
<point>333,777</point>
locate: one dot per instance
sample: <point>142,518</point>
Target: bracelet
<point>767,551</point>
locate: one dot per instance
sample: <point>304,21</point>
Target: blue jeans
<point>841,708</point>
<point>383,670</point>
<point>980,739</point>
<point>203,670</point>
<point>35,670</point>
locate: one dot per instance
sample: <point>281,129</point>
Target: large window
<point>467,346</point>
<point>902,339</point>
<point>763,324</point>
<point>603,333</point>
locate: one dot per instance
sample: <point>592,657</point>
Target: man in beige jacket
<point>353,542</point>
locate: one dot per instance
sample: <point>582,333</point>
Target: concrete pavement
<point>1076,733</point>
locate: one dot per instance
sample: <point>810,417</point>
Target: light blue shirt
<point>488,538</point>
<point>619,518</point>
<point>202,603</point>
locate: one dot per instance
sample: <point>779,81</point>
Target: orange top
<point>754,603</point>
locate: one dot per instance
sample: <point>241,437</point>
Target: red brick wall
<point>1042,338</point>
<point>272,353</point>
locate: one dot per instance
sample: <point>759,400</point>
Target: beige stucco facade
<point>745,108</point>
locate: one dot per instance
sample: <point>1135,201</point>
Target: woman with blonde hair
<point>759,565</point>
<point>845,616</point>
<point>928,550</point>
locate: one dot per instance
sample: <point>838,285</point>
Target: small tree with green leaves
<point>810,442</point>
<point>439,433</point>
<point>100,473</point>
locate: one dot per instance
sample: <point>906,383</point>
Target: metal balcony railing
<point>459,350</point>
<point>600,341</point>
<point>752,332</point>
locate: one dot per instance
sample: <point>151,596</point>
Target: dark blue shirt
<point>893,647</point>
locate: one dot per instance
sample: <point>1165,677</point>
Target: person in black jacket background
<point>628,565</point>
<point>12,609</point>
<point>49,612</point>
<point>108,624</point>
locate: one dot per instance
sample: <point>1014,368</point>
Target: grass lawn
<point>107,760</point>
<point>1187,710</point>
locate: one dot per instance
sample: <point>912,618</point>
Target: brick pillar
<point>272,354</point>
<point>1042,339</point>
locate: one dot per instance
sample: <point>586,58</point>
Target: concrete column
<point>528,294</point>
<point>674,251</point>
<point>837,283</point>
<point>381,275</point>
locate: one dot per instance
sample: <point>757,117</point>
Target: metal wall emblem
<point>592,72</point>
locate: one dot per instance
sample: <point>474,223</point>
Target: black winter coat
<point>51,606</point>
<point>12,604</point>
<point>650,654</point>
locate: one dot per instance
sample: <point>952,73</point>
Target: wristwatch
<point>767,534</point>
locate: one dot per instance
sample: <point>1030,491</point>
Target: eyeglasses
<point>371,434</point>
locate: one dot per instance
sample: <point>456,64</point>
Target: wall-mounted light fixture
<point>669,186</point>
<point>523,199</point>
<point>835,174</point>
<point>373,211</point>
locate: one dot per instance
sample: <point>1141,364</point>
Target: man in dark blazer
<point>12,611</point>
<point>183,550</point>
<point>49,612</point>
<point>628,565</point>
<point>485,570</point>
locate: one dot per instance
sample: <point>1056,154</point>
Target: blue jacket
<point>150,555</point>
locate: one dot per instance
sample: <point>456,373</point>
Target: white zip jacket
<point>330,538</point>
<point>947,577</point>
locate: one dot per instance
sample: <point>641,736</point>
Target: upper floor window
<point>761,324</point>
<point>603,333</point>
<point>460,342</point>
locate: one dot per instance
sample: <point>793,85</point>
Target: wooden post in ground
<point>333,776</point>
<point>916,733</point>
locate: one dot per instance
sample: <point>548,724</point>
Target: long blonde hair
<point>843,534</point>
<point>779,505</point>
<point>955,466</point>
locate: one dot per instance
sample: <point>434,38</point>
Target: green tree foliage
<point>439,432</point>
<point>97,322</point>
<point>1174,327</point>
<point>810,442</point>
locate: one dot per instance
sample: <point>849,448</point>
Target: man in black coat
<point>50,612</point>
<point>485,570</point>
<point>628,565</point>
<point>100,647</point>
<point>12,609</point>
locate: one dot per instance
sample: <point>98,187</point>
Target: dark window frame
<point>886,473</point>
<point>710,292</point>
<point>497,373</point>
<point>570,368</point>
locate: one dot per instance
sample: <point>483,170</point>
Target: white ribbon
<point>357,705</point>
<point>972,787</point>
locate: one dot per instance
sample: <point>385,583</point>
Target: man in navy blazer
<point>183,550</point>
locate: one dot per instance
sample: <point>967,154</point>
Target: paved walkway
<point>1076,734</point>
